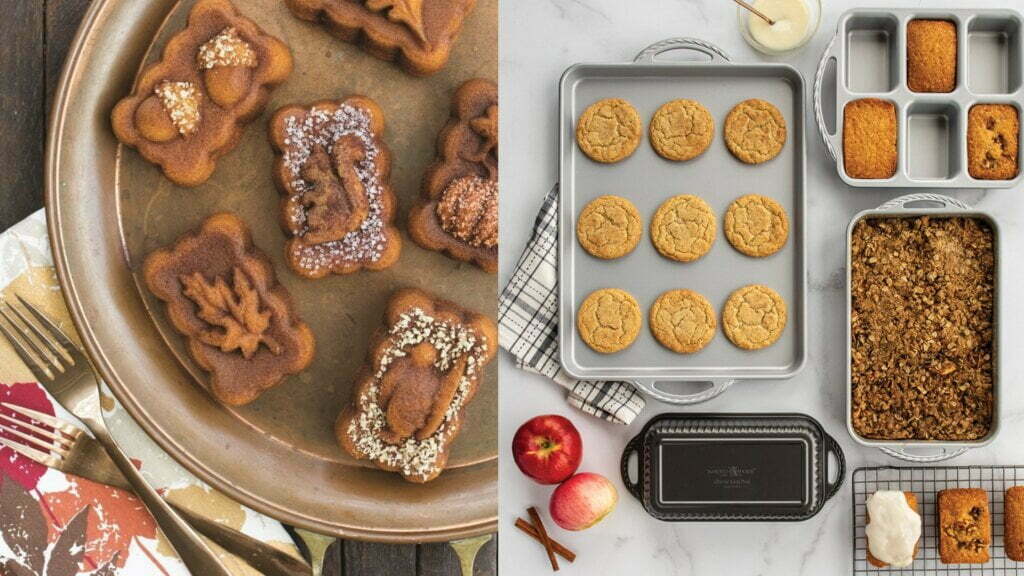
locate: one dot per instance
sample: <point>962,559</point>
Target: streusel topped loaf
<point>422,370</point>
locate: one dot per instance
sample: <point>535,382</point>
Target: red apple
<point>582,501</point>
<point>548,448</point>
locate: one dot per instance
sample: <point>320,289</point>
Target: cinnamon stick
<point>530,531</point>
<point>543,533</point>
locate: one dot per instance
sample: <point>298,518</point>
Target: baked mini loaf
<point>911,500</point>
<point>1013,523</point>
<point>418,34</point>
<point>189,108</point>
<point>993,138</point>
<point>869,139</point>
<point>334,174</point>
<point>221,293</point>
<point>457,212</point>
<point>931,55</point>
<point>965,526</point>
<point>422,370</point>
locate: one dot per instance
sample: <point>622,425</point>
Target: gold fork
<point>63,370</point>
<point>57,444</point>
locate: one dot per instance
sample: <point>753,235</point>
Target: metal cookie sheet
<point>647,180</point>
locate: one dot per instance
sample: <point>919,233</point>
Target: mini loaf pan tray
<point>647,180</point>
<point>726,467</point>
<point>870,55</point>
<point>934,206</point>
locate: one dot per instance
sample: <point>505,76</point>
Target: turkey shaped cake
<point>422,370</point>
<point>333,171</point>
<point>457,213</point>
<point>214,77</point>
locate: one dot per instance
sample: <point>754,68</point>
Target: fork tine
<point>48,460</point>
<point>46,419</point>
<point>54,447</point>
<point>71,351</point>
<point>22,424</point>
<point>41,372</point>
<point>48,332</point>
<point>31,334</point>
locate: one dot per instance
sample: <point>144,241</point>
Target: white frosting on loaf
<point>894,528</point>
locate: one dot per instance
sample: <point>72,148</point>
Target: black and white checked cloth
<point>528,323</point>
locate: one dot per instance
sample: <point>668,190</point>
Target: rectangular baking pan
<point>870,55</point>
<point>647,180</point>
<point>720,467</point>
<point>935,206</point>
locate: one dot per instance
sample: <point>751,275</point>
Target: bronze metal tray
<point>107,208</point>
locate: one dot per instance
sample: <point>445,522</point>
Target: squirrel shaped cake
<point>422,370</point>
<point>221,293</point>
<point>417,33</point>
<point>457,213</point>
<point>334,174</point>
<point>189,108</point>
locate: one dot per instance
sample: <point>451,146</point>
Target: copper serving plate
<point>107,208</point>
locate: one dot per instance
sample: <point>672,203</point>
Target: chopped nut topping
<point>922,299</point>
<point>468,210</point>
<point>234,309</point>
<point>227,49</point>
<point>181,101</point>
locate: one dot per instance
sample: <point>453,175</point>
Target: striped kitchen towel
<point>528,320</point>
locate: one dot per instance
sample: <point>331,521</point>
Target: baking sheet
<point>647,180</point>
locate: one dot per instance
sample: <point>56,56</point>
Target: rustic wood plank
<point>62,20</point>
<point>22,100</point>
<point>441,560</point>
<point>332,560</point>
<point>370,559</point>
<point>487,559</point>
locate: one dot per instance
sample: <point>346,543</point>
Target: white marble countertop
<point>539,39</point>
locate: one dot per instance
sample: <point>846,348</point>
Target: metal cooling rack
<point>925,483</point>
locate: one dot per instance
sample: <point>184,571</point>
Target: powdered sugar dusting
<point>322,128</point>
<point>452,341</point>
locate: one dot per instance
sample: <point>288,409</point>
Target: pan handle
<point>943,454</point>
<point>819,113</point>
<point>715,386</point>
<point>632,447</point>
<point>833,447</point>
<point>945,202</point>
<point>650,54</point>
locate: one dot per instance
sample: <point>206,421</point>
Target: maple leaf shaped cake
<point>214,77</point>
<point>422,370</point>
<point>220,292</point>
<point>417,33</point>
<point>457,213</point>
<point>333,171</point>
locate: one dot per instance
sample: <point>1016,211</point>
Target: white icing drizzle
<point>452,341</point>
<point>894,528</point>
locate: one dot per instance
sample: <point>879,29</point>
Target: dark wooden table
<point>35,37</point>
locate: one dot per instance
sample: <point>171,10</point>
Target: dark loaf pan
<point>733,467</point>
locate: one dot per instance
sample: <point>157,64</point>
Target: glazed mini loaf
<point>457,213</point>
<point>965,526</point>
<point>869,138</point>
<point>189,108</point>
<point>893,537</point>
<point>220,292</point>
<point>333,171</point>
<point>422,370</point>
<point>419,34</point>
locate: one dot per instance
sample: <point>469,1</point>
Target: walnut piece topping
<point>922,299</point>
<point>234,309</point>
<point>468,210</point>
<point>227,49</point>
<point>181,101</point>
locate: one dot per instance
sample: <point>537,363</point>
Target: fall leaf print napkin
<point>53,524</point>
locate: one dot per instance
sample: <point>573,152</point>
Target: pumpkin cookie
<point>609,130</point>
<point>683,321</point>
<point>754,317</point>
<point>683,228</point>
<point>609,227</point>
<point>608,320</point>
<point>755,131</point>
<point>681,130</point>
<point>756,225</point>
